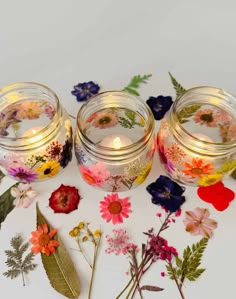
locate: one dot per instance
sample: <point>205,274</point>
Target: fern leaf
<point>13,273</point>
<point>135,83</point>
<point>179,89</point>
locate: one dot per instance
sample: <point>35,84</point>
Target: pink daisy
<point>206,117</point>
<point>29,110</point>
<point>89,176</point>
<point>22,174</point>
<point>115,208</point>
<point>105,120</point>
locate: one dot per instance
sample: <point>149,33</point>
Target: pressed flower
<point>65,199</point>
<point>175,153</point>
<point>49,110</point>
<point>231,133</point>
<point>197,222</point>
<point>24,195</point>
<point>166,193</point>
<point>218,195</point>
<point>105,120</point>
<point>42,240</point>
<point>66,154</point>
<point>99,170</point>
<point>159,105</point>
<point>6,119</point>
<point>95,175</point>
<point>48,169</point>
<point>22,174</point>
<point>80,155</point>
<point>84,91</point>
<point>54,150</point>
<point>210,179</point>
<point>97,233</point>
<point>133,169</point>
<point>143,173</point>
<point>29,110</point>
<point>114,209</point>
<point>198,168</point>
<point>118,242</point>
<point>206,117</point>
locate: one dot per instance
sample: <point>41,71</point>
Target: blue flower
<point>166,193</point>
<point>84,91</point>
<point>159,105</point>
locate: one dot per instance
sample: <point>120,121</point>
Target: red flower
<point>218,195</point>
<point>65,199</point>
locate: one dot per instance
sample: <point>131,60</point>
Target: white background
<point>61,43</point>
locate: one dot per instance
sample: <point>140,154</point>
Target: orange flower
<point>198,168</point>
<point>42,240</point>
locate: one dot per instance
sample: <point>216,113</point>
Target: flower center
<point>44,240</point>
<point>47,171</point>
<point>114,207</point>
<point>64,200</point>
<point>89,179</point>
<point>158,107</point>
<point>197,171</point>
<point>22,175</point>
<point>104,120</point>
<point>207,117</point>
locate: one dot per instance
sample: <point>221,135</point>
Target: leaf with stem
<point>135,82</point>
<point>18,264</point>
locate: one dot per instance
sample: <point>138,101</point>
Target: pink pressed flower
<point>175,153</point>
<point>22,174</point>
<point>118,242</point>
<point>90,177</point>
<point>99,170</point>
<point>105,120</point>
<point>224,116</point>
<point>24,195</point>
<point>206,117</point>
<point>231,133</point>
<point>29,110</point>
<point>49,110</point>
<point>158,214</point>
<point>197,222</point>
<point>115,208</point>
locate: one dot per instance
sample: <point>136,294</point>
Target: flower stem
<point>81,250</point>
<point>176,281</point>
<point>93,267</point>
<point>23,278</point>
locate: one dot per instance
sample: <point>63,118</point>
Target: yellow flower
<point>97,233</point>
<point>228,166</point>
<point>81,225</point>
<point>210,179</point>
<point>85,238</point>
<point>74,232</point>
<point>143,173</point>
<point>48,169</point>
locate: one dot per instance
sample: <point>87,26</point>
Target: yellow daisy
<point>48,169</point>
<point>210,179</point>
<point>143,173</point>
<point>97,233</point>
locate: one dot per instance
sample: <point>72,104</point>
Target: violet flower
<point>159,105</point>
<point>84,91</point>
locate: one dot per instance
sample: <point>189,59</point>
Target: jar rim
<point>113,153</point>
<point>183,134</point>
<point>28,140</point>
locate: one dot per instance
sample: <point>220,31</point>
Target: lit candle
<point>116,141</point>
<point>203,137</point>
<point>32,131</point>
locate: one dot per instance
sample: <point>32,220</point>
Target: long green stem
<point>93,267</point>
<point>176,281</point>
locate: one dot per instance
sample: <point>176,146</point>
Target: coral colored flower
<point>22,174</point>
<point>95,174</point>
<point>65,199</point>
<point>48,169</point>
<point>42,240</point>
<point>105,120</point>
<point>218,195</point>
<point>166,193</point>
<point>115,208</point>
<point>159,105</point>
<point>175,153</point>
<point>198,168</point>
<point>24,195</point>
<point>210,179</point>
<point>197,222</point>
<point>206,117</point>
<point>84,91</point>
<point>29,110</point>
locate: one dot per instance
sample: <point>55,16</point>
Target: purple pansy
<point>166,193</point>
<point>159,105</point>
<point>22,174</point>
<point>84,91</point>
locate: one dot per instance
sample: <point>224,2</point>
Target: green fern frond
<point>135,82</point>
<point>179,89</point>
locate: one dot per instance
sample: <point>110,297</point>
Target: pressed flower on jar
<point>42,240</point>
<point>29,110</point>
<point>95,174</point>
<point>197,168</point>
<point>48,169</point>
<point>206,117</point>
<point>105,119</point>
<point>22,174</point>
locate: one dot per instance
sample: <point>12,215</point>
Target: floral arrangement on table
<point>165,193</point>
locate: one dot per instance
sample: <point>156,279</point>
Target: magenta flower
<point>197,222</point>
<point>22,174</point>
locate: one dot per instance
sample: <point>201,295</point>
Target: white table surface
<point>62,43</point>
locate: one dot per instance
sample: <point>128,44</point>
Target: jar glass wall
<point>196,141</point>
<point>35,132</point>
<point>114,141</point>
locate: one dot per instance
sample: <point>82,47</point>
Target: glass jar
<point>114,141</point>
<point>35,132</point>
<point>196,141</point>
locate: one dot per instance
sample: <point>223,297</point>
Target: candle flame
<point>117,143</point>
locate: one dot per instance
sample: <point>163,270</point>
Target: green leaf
<point>59,266</point>
<point>151,288</point>
<point>179,89</point>
<point>135,83</point>
<point>6,204</point>
<point>2,175</point>
<point>187,112</point>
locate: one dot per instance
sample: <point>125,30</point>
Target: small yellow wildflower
<point>97,233</point>
<point>81,225</point>
<point>85,238</point>
<point>210,179</point>
<point>143,173</point>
